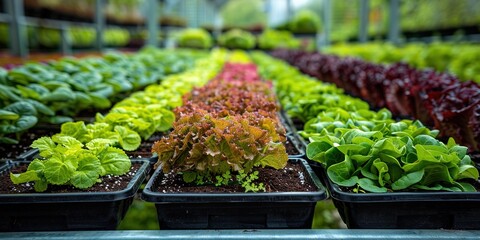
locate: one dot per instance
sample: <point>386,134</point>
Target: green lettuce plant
<point>67,161</point>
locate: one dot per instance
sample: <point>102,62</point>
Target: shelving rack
<point>303,234</point>
<point>16,19</point>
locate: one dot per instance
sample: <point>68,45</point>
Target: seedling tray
<point>68,211</point>
<point>406,210</point>
<point>297,144</point>
<point>235,210</point>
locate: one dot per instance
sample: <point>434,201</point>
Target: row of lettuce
<point>56,91</point>
<point>238,39</point>
<point>230,125</point>
<point>81,153</point>
<point>436,99</point>
<point>365,150</point>
<point>224,129</point>
<point>457,58</point>
<point>78,36</point>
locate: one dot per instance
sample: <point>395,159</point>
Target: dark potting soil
<point>109,183</point>
<point>145,149</point>
<point>11,151</point>
<point>291,149</point>
<point>292,178</point>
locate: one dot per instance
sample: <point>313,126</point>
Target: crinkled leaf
<point>276,157</point>
<point>114,161</point>
<point>45,145</point>
<point>87,172</point>
<point>74,129</point>
<point>58,171</point>
<point>129,140</point>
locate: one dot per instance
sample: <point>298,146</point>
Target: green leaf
<point>67,141</point>
<point>189,177</point>
<point>60,94</point>
<point>314,149</point>
<point>57,171</point>
<point>22,108</point>
<point>370,186</point>
<point>114,161</point>
<point>87,173</point>
<point>27,176</point>
<point>45,145</point>
<point>341,173</point>
<point>74,129</point>
<point>436,172</point>
<point>425,140</point>
<point>277,157</point>
<point>129,140</point>
<point>40,185</point>
<point>408,180</point>
<point>41,108</point>
<point>98,145</point>
<point>382,169</point>
<point>467,187</point>
<point>59,119</point>
<point>99,101</point>
<point>7,115</point>
<point>467,171</point>
<point>166,121</point>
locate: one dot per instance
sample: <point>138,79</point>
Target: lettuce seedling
<point>201,143</point>
<point>67,161</point>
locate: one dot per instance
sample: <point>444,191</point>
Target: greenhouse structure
<point>239,119</point>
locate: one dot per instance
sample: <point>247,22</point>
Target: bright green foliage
<point>247,181</point>
<point>194,38</point>
<point>66,160</point>
<point>120,136</point>
<point>237,39</point>
<point>305,21</point>
<point>271,39</point>
<point>16,118</point>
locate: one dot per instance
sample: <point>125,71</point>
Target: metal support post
<point>394,21</point>
<point>17,28</point>
<point>268,11</point>
<point>363,28</point>
<point>99,23</point>
<point>66,47</point>
<point>324,38</point>
<point>152,22</point>
<point>289,9</point>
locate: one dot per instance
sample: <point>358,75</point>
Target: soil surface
<point>292,178</point>
<point>291,148</point>
<point>11,151</point>
<point>109,183</point>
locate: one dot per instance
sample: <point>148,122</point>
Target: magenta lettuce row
<point>437,99</point>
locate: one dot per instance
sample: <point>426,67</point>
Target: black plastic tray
<point>294,139</point>
<point>235,210</point>
<point>406,210</point>
<point>68,211</point>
